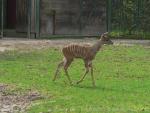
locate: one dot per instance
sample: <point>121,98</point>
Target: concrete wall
<point>86,17</point>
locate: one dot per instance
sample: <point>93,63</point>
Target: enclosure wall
<point>75,17</point>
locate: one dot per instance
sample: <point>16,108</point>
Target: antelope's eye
<point>107,39</point>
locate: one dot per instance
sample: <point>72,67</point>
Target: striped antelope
<point>86,52</point>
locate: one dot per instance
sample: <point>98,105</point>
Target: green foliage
<point>123,14</point>
<point>134,35</point>
<point>145,18</point>
<point>122,80</point>
<point>130,16</point>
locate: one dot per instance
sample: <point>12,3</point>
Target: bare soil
<point>27,44</point>
<point>14,102</point>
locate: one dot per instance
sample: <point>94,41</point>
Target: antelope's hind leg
<point>66,65</point>
<point>86,72</point>
<point>57,70</point>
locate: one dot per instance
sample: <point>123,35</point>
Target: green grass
<point>122,80</point>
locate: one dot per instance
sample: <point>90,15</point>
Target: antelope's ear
<point>106,33</point>
<point>102,35</point>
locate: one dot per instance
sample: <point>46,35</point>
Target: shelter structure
<point>52,17</point>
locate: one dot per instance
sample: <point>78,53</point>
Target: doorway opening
<point>11,14</point>
<point>11,19</point>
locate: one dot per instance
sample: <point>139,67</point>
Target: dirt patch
<point>29,44</point>
<point>3,87</point>
<point>131,42</point>
<point>24,44</point>
<point>16,103</point>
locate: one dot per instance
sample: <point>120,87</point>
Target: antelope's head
<point>105,39</point>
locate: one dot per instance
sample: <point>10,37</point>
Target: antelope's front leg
<point>82,78</point>
<point>93,79</point>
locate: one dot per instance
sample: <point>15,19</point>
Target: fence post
<point>109,8</point>
<point>80,18</point>
<point>2,19</point>
<point>138,15</point>
<point>29,19</point>
<point>37,18</point>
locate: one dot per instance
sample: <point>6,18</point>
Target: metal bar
<point>2,19</point>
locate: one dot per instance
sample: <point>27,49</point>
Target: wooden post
<point>54,21</point>
<point>37,19</point>
<point>2,19</point>
<point>29,19</point>
<point>109,15</point>
<point>80,18</point>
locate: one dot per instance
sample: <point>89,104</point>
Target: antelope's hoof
<point>71,84</point>
<point>53,80</point>
<point>78,82</point>
<point>94,86</point>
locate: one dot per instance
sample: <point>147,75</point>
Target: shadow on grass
<point>107,89</point>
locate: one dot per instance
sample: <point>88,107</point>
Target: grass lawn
<point>122,80</point>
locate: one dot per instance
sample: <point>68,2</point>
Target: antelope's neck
<point>97,45</point>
